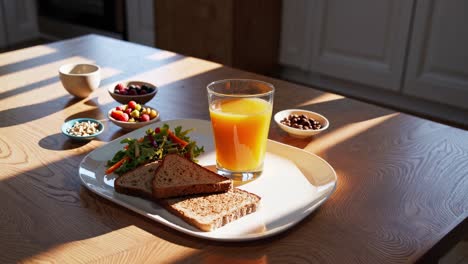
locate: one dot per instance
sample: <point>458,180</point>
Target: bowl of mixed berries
<point>133,115</point>
<point>141,92</point>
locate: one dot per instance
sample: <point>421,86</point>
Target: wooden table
<point>402,180</point>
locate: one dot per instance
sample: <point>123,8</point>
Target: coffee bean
<point>301,122</point>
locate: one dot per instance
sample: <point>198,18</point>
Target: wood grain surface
<point>402,180</point>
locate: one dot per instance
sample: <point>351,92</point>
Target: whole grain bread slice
<point>208,212</point>
<point>178,176</point>
<point>137,182</point>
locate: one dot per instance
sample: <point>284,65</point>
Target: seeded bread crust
<point>209,212</point>
<point>137,182</point>
<point>178,176</point>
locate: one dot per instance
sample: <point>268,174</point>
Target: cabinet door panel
<point>201,28</point>
<point>296,30</point>
<point>140,21</point>
<point>362,41</point>
<point>438,58</point>
<point>21,20</point>
<point>3,39</point>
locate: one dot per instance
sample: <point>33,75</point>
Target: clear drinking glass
<point>240,111</point>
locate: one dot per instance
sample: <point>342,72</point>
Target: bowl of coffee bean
<point>301,123</point>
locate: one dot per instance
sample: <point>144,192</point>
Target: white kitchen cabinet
<point>438,55</point>
<point>364,48</point>
<point>362,41</point>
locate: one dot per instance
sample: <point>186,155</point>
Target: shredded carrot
<point>176,139</point>
<point>116,165</point>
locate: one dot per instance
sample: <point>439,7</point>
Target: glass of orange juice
<point>240,111</point>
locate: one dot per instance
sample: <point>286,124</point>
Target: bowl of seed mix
<point>82,129</point>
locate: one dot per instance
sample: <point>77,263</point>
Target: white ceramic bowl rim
<point>279,116</point>
<point>66,68</point>
<point>83,119</point>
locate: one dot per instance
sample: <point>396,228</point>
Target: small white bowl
<point>301,133</point>
<point>132,125</point>
<point>80,79</point>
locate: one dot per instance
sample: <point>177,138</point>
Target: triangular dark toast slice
<point>178,176</point>
<point>138,182</point>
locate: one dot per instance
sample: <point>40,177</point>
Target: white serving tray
<point>293,184</point>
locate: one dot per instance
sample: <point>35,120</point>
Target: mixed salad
<point>153,146</point>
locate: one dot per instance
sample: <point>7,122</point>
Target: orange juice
<point>240,128</point>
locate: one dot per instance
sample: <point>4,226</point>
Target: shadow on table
<point>11,117</point>
<point>52,192</point>
<point>100,54</point>
<point>64,211</point>
<point>208,250</point>
<point>29,87</point>
<point>60,142</point>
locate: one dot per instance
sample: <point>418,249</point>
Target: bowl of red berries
<point>133,115</point>
<point>138,91</point>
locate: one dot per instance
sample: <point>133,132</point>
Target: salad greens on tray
<point>153,146</point>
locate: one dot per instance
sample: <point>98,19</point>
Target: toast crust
<point>133,191</point>
<point>176,191</point>
<point>221,219</point>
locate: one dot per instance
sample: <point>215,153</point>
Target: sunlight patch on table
<point>161,55</point>
<point>176,71</point>
<point>339,135</point>
<point>119,242</point>
<point>25,54</point>
<point>326,97</point>
<point>20,157</point>
<point>36,74</point>
<point>107,72</point>
<point>35,94</point>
